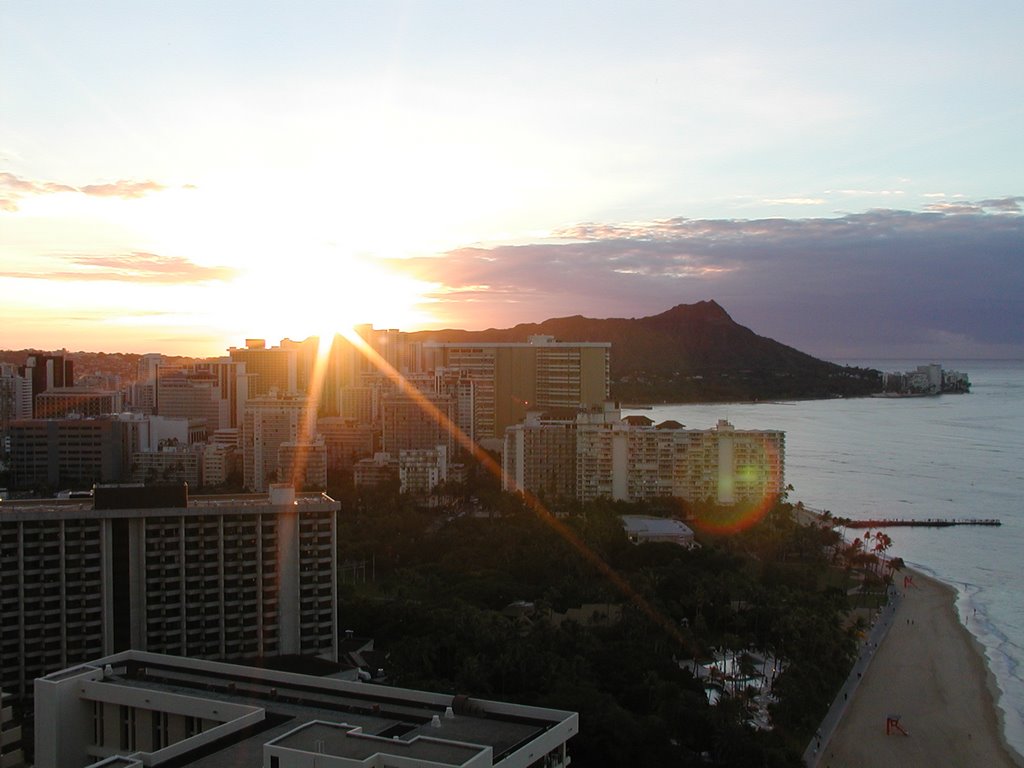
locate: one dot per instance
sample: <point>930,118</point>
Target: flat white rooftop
<point>287,713</point>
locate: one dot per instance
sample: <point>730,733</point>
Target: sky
<point>177,177</point>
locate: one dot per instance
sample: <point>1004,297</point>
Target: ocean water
<point>958,456</point>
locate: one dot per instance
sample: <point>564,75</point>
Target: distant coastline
<point>925,380</point>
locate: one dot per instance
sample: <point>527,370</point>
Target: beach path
<point>929,671</point>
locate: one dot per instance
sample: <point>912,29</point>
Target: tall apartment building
<point>212,390</point>
<point>361,404</point>
<point>181,396</point>
<point>347,441</point>
<point>632,459</point>
<point>268,368</point>
<point>69,452</point>
<point>137,709</point>
<point>513,378</point>
<point>46,372</point>
<point>62,402</point>
<point>540,456</point>
<point>271,421</point>
<point>15,397</point>
<point>413,423</point>
<point>303,464</point>
<point>217,577</point>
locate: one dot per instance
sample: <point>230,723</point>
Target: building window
<point>97,723</point>
<point>159,722</point>
<point>128,728</point>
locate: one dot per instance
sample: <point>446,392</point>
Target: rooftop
<point>348,719</point>
<point>73,508</point>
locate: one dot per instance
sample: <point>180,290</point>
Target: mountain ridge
<point>688,353</point>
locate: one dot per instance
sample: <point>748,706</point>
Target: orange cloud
<point>133,267</point>
<point>126,190</point>
<point>14,188</point>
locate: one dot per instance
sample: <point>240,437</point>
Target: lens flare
<point>763,472</point>
<point>531,501</point>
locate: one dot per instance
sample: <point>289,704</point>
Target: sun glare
<point>327,295</point>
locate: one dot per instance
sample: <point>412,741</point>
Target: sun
<point>327,294</point>
<point>300,265</point>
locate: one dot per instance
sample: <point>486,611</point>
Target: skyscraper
<point>271,421</point>
<point>46,372</point>
<point>268,368</point>
<point>513,378</point>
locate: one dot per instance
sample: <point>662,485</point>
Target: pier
<point>933,522</point>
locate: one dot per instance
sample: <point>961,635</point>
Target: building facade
<point>270,422</point>
<point>217,577</point>
<point>171,463</point>
<point>411,423</point>
<point>15,397</point>
<point>539,456</point>
<point>11,754</point>
<point>379,470</point>
<point>303,465</point>
<point>514,378</point>
<point>63,402</point>
<point>347,441</point>
<point>46,372</point>
<point>267,368</point>
<point>421,470</point>
<point>69,452</point>
<point>146,709</point>
<point>632,460</point>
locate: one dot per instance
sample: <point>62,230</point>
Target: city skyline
<point>844,181</point>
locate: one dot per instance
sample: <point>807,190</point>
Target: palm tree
<point>882,543</point>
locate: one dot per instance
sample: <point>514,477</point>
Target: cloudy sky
<point>847,179</point>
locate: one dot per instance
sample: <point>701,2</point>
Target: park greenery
<point>461,595</point>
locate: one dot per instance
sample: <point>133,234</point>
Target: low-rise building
<point>220,462</point>
<point>642,528</point>
<point>172,462</point>
<point>381,469</point>
<point>421,470</point>
<point>143,709</point>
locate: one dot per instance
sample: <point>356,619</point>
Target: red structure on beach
<point>892,723</point>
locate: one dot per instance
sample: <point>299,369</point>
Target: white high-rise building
<point>270,422</point>
<point>632,459</point>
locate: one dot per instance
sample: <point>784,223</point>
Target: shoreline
<point>933,672</point>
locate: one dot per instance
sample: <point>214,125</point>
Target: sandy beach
<point>930,671</point>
